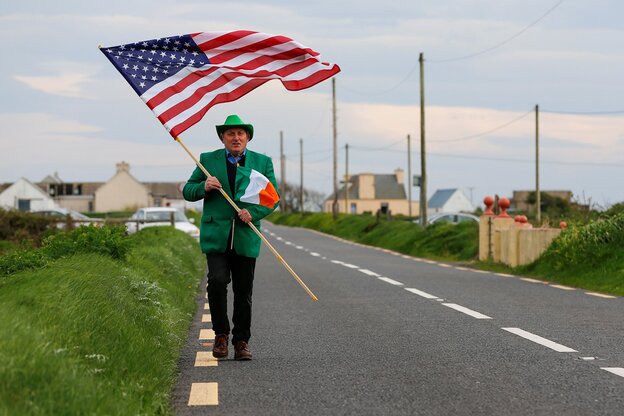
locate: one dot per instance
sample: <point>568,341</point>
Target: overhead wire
<point>498,45</point>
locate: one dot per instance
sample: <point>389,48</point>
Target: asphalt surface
<point>395,335</point>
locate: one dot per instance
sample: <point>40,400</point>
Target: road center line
<point>539,340</point>
<point>421,293</point>
<point>392,282</point>
<point>351,266</point>
<point>618,371</point>
<point>312,253</point>
<point>467,311</point>
<point>368,272</point>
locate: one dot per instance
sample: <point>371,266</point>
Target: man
<point>230,245</point>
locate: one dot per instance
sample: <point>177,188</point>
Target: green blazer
<point>219,217</point>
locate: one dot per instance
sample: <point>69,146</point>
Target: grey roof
<point>386,187</point>
<point>440,197</point>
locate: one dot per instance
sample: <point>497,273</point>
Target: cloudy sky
<point>65,109</point>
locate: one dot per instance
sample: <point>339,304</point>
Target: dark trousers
<point>223,268</point>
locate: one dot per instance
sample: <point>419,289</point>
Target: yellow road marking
<point>205,359</point>
<point>204,394</point>
<point>206,334</point>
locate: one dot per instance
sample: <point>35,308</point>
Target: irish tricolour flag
<point>255,188</point>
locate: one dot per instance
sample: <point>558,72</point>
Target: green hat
<point>234,121</point>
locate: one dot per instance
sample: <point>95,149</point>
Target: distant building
<point>368,192</point>
<point>449,200</point>
<point>122,192</point>
<point>24,195</point>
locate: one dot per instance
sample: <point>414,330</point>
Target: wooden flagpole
<point>253,227</point>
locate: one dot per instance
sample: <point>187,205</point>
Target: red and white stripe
<point>240,61</point>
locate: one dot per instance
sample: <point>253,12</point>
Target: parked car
<point>158,217</point>
<point>452,217</point>
<point>61,214</point>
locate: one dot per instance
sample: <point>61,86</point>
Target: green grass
<point>441,241</point>
<point>91,334</point>
<point>588,256</point>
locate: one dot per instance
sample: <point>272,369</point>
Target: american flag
<point>181,77</point>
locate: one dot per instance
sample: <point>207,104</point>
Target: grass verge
<point>92,334</point>
<point>588,256</point>
<point>440,241</point>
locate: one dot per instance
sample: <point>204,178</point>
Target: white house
<point>122,191</point>
<point>25,196</point>
<point>449,200</point>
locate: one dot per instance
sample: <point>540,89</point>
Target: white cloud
<point>67,85</point>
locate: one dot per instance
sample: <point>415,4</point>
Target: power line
<point>583,112</point>
<point>498,45</point>
<point>551,162</point>
<point>413,69</point>
<point>377,148</point>
<point>485,133</point>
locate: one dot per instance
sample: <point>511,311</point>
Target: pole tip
<point>314,298</point>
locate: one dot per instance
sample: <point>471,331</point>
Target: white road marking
<point>315,254</point>
<point>206,317</point>
<point>299,247</point>
<point>539,340</point>
<point>204,394</point>
<point>421,293</point>
<point>392,282</point>
<point>600,295</point>
<point>467,311</point>
<point>368,272</point>
<point>206,307</point>
<point>406,257</point>
<point>288,243</point>
<point>430,261</point>
<point>480,271</point>
<point>279,238</point>
<point>337,262</point>
<point>351,266</point>
<point>562,287</point>
<point>527,279</point>
<point>444,265</point>
<point>462,268</point>
<point>618,371</point>
<point>504,274</point>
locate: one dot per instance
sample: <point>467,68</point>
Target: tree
<point>312,200</point>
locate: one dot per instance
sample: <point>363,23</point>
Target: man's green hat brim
<point>235,121</point>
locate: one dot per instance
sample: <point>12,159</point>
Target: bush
<point>587,245</point>
<point>109,241</point>
<point>24,226</point>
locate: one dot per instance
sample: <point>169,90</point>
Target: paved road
<point>395,335</point>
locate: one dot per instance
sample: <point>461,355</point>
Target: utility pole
<point>409,176</point>
<point>423,168</point>
<point>538,198</point>
<point>301,176</point>
<point>335,203</point>
<point>346,180</point>
<point>283,172</point>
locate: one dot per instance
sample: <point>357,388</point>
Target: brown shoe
<point>241,351</point>
<point>220,348</point>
